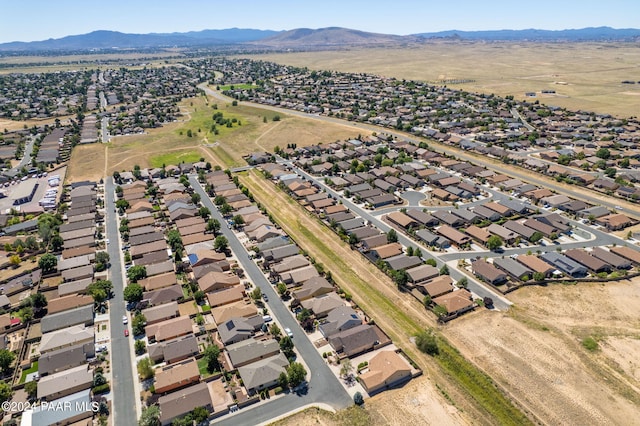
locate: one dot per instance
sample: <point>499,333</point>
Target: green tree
<point>603,153</point>
<point>401,278</point>
<point>431,262</point>
<point>444,270</point>
<point>535,237</point>
<point>31,388</point>
<point>426,301</point>
<point>286,346</point>
<point>281,288</point>
<point>136,273</point>
<point>358,399</point>
<point>296,374</point>
<point>463,282</point>
<point>15,260</point>
<point>199,415</point>
<point>494,242</point>
<point>346,368</point>
<point>211,354</point>
<point>220,243</point>
<point>538,276</point>
<point>56,242</point>
<point>256,294</point>
<point>238,220</point>
<point>225,209</point>
<point>392,236</point>
<point>213,225</point>
<point>283,380</point>
<point>48,263</point>
<point>140,347</point>
<point>138,323</point>
<point>174,239</point>
<point>102,260</point>
<point>133,293</point>
<point>426,341</point>
<point>6,359</point>
<point>145,369</point>
<point>275,331</point>
<point>150,416</point>
<point>5,391</point>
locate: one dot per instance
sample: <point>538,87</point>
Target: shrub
<point>101,389</point>
<point>590,344</point>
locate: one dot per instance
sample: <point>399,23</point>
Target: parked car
<point>124,319</point>
<point>126,332</point>
<point>289,332</point>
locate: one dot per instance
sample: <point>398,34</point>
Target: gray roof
<point>613,259</point>
<point>237,329</point>
<point>340,319</point>
<point>250,350</point>
<point>402,261</point>
<point>465,214</point>
<point>281,252</point>
<point>81,315</point>
<point>273,242</point>
<point>75,405</point>
<point>563,263</point>
<point>350,224</point>
<point>512,267</point>
<point>170,350</point>
<point>354,340</point>
<point>64,358</point>
<point>263,373</point>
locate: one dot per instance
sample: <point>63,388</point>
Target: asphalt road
<point>122,387</point>
<point>323,384</point>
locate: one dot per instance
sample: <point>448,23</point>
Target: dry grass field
<point>585,76</point>
<point>536,351</point>
<point>171,142</point>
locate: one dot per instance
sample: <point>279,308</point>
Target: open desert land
<point>170,144</point>
<point>538,350</point>
<point>585,76</point>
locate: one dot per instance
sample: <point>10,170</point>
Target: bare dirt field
<point>585,76</point>
<point>536,351</point>
<point>409,405</point>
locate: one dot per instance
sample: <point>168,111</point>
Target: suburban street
<point>323,384</point>
<point>499,301</point>
<point>122,386</point>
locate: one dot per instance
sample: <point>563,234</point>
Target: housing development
<point>195,291</point>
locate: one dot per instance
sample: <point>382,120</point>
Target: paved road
<point>323,384</point>
<point>500,302</point>
<point>124,395</point>
<point>25,161</point>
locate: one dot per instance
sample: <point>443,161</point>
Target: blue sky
<point>28,20</point>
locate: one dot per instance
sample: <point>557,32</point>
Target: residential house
<point>238,329</point>
<point>263,374</point>
<point>487,272</point>
<point>513,268</point>
<point>182,402</point>
<point>592,263</point>
<point>564,264</point>
<point>355,340</point>
<point>611,258</point>
<point>456,302</point>
<point>169,329</point>
<point>535,264</point>
<point>251,350</point>
<point>386,369</point>
<point>66,382</point>
<point>177,375</point>
<point>323,304</point>
<point>339,319</point>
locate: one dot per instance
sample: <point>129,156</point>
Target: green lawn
<point>202,367</point>
<point>175,158</point>
<point>237,86</point>
<point>33,369</point>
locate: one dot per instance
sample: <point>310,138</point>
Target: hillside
<point>332,36</point>
<point>582,34</point>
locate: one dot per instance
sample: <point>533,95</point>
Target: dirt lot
<point>409,405</point>
<point>536,351</point>
<point>592,71</point>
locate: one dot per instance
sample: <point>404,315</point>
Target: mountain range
<point>302,38</point>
